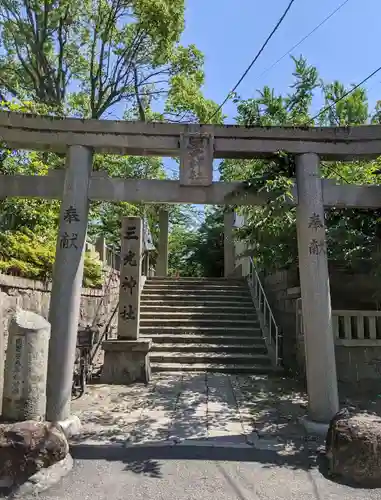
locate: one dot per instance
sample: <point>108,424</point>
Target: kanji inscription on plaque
<point>196,159</point>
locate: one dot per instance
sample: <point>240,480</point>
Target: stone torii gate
<point>196,145</point>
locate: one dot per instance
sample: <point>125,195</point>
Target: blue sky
<point>345,48</point>
<point>230,33</point>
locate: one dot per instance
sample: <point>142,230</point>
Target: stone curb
<point>161,444</point>
<point>71,426</point>
<point>314,428</point>
<point>43,479</point>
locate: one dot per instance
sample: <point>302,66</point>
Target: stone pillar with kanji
<point>323,402</point>
<point>65,299</point>
<point>130,277</point>
<point>126,358</point>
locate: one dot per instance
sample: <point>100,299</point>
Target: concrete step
<point>193,301</point>
<point>186,338</point>
<point>202,288</point>
<point>187,316</point>
<point>259,348</point>
<point>196,285</point>
<point>163,308</point>
<point>214,368</point>
<point>209,357</point>
<point>204,330</point>
<point>196,290</point>
<point>222,296</point>
<point>194,315</point>
<point>205,295</point>
<point>190,279</point>
<point>199,322</point>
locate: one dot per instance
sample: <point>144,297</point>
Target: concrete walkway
<point>211,408</point>
<point>197,437</point>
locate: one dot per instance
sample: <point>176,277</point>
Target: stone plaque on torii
<point>196,159</point>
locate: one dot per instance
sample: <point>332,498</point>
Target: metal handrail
<point>269,326</point>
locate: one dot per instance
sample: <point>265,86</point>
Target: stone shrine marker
<point>130,277</point>
<point>126,358</point>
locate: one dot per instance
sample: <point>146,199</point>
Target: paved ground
<point>191,407</point>
<point>197,437</point>
<point>196,473</point>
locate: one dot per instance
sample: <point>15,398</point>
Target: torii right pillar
<point>323,401</point>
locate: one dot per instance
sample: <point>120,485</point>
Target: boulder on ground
<point>353,448</point>
<point>27,447</point>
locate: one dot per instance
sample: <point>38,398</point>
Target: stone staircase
<point>201,324</point>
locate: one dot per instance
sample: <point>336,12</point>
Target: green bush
<point>24,253</point>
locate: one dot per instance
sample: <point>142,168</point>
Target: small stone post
<point>26,367</point>
<point>2,362</point>
<point>67,281</point>
<point>162,259</point>
<point>126,359</point>
<point>229,250</point>
<point>145,265</point>
<point>100,247</point>
<point>315,292</point>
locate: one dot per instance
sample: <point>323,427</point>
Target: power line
<point>305,37</point>
<point>254,60</point>
<point>346,94</point>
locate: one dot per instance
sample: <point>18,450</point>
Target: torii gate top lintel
<point>27,131</point>
<point>196,145</point>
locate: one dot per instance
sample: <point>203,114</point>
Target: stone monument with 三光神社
<point>126,358</point>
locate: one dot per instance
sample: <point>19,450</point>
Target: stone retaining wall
<point>97,305</point>
<point>348,292</point>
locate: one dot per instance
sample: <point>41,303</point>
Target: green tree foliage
<point>198,251</point>
<point>95,59</point>
<point>184,221</point>
<point>208,250</point>
<point>30,255</point>
<point>270,231</point>
<point>84,58</point>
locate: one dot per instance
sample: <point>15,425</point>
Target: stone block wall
<point>348,292</point>
<point>353,291</point>
<point>358,364</point>
<point>97,305</point>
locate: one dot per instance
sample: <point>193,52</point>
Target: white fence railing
<point>266,318</point>
<point>350,328</point>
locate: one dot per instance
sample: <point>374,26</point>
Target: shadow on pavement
<point>147,459</point>
<point>172,405</point>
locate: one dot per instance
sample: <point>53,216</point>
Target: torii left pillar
<point>126,359</point>
<point>67,282</point>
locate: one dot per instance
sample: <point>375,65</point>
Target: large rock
<point>27,447</point>
<point>353,448</point>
